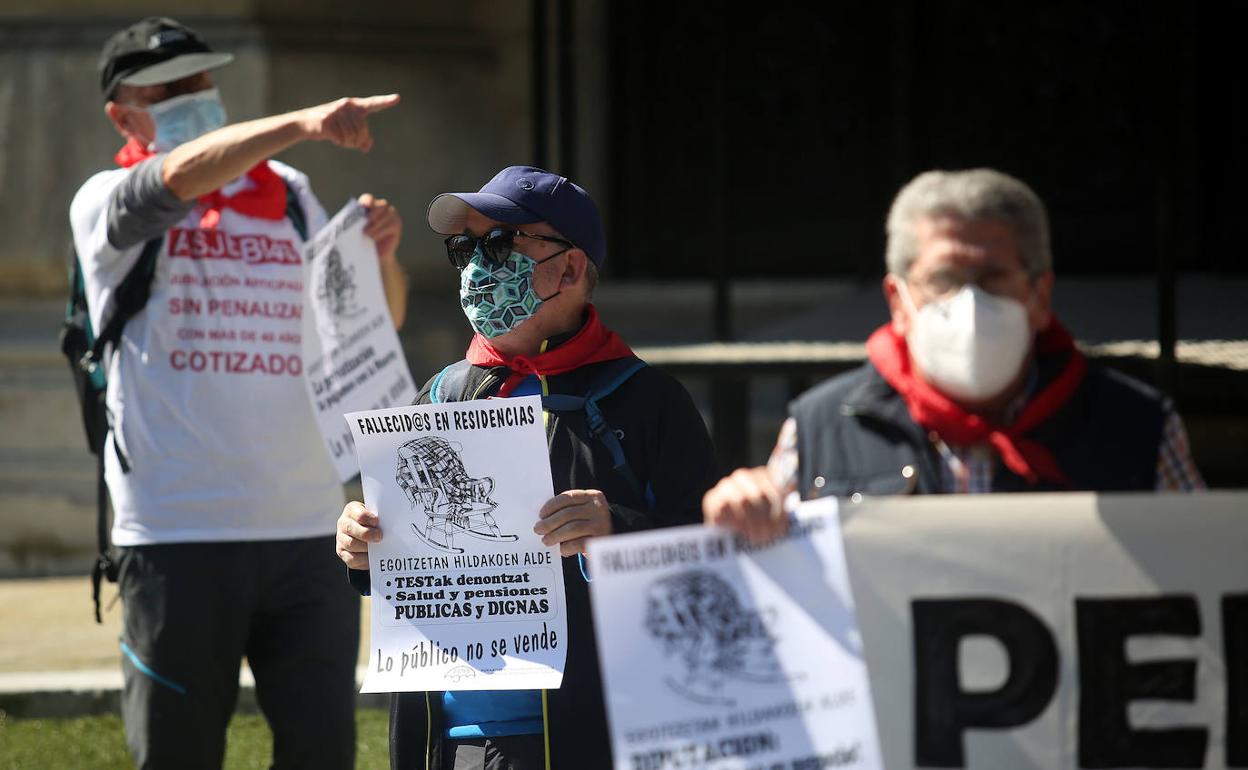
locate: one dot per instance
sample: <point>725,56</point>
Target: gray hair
<point>977,194</point>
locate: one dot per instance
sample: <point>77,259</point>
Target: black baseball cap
<point>153,51</point>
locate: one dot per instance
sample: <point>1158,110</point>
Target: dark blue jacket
<point>855,434</point>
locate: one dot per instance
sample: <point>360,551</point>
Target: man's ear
<point>1040,312</point>
<point>574,269</point>
<point>118,116</point>
<point>898,310</point>
<point>127,123</point>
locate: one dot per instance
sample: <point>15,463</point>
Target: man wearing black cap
<point>528,247</point>
<point>223,497</point>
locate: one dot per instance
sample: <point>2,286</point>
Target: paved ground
<point>56,660</point>
<point>49,625</point>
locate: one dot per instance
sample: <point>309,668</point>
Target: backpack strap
<point>449,384</point>
<point>131,296</point>
<point>76,338</point>
<point>609,378</point>
<point>104,566</point>
<point>78,319</point>
<point>294,211</point>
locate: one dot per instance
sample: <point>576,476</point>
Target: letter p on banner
<point>942,709</point>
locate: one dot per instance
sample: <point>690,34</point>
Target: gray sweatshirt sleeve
<point>141,207</point>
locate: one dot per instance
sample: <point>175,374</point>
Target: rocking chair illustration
<point>700,619</point>
<point>336,287</point>
<point>432,474</point>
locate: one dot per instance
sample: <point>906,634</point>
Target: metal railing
<point>1212,383</point>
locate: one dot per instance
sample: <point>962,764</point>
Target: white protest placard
<point>719,655</point>
<point>465,595</point>
<point>1063,631</point>
<point>352,357</point>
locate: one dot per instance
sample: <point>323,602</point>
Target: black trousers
<point>512,752</point>
<point>193,610</point>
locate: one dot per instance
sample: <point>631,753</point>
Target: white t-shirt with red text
<point>206,386</point>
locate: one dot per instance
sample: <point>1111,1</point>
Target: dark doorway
<point>773,135</point>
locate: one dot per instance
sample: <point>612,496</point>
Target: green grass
<point>97,743</point>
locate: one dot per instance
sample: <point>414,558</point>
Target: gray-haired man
<point>973,386</point>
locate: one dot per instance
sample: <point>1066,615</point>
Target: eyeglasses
<point>496,245</point>
<point>941,284</point>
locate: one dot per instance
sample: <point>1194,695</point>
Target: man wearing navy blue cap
<point>528,247</point>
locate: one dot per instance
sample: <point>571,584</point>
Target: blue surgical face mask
<point>183,118</point>
<point>498,298</point>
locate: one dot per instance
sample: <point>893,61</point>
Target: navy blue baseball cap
<point>522,195</point>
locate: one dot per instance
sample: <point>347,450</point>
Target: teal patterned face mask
<point>497,298</point>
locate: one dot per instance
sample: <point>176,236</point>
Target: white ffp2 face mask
<point>183,118</point>
<point>971,345</point>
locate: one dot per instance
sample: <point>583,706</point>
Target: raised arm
<point>205,164</point>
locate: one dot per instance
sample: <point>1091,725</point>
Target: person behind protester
<point>528,247</point>
<point>973,386</point>
<point>224,497</point>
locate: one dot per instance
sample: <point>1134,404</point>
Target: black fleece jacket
<point>855,434</point>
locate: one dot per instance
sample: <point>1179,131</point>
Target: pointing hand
<point>345,121</point>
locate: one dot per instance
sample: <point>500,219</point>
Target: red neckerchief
<point>935,411</point>
<point>265,199</point>
<point>593,343</point>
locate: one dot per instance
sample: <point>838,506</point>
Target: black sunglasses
<point>496,245</point>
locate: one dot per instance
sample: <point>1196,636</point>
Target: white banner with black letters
<point>351,352</point>
<point>1055,631</point>
<point>719,655</point>
<point>464,594</point>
